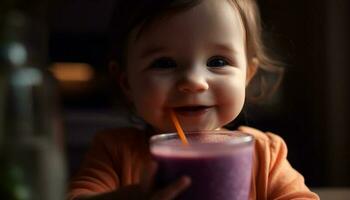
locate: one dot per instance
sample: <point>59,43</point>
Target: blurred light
<point>27,77</point>
<point>72,72</point>
<point>17,53</point>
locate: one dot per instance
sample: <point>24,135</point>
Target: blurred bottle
<point>32,164</point>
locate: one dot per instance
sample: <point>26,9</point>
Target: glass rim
<point>239,138</point>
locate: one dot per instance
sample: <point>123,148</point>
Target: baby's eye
<point>163,63</point>
<point>217,62</point>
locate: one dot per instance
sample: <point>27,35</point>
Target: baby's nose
<point>193,81</point>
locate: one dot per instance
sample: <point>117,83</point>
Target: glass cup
<point>219,163</point>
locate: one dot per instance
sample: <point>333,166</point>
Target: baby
<point>196,58</point>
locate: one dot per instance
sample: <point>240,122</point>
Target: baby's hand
<point>145,190</point>
<point>169,192</point>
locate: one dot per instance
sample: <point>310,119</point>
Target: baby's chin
<point>186,128</point>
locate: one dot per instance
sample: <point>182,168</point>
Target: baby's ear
<point>121,78</point>
<point>251,69</point>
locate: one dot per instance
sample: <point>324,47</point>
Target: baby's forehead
<point>211,25</point>
<point>210,18</point>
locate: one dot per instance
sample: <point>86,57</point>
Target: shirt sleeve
<point>273,176</point>
<point>96,174</point>
<point>284,182</point>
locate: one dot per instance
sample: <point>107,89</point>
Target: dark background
<point>309,110</point>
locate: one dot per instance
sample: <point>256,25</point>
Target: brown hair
<point>261,87</point>
<point>129,14</point>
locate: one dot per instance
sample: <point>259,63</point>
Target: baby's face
<point>193,62</point>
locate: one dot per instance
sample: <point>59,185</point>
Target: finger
<point>173,190</point>
<point>147,177</point>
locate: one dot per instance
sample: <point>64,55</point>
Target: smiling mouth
<point>192,110</point>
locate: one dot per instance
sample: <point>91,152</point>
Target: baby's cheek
<point>230,97</point>
<point>230,90</point>
<point>144,88</point>
<point>151,97</point>
<point>227,113</point>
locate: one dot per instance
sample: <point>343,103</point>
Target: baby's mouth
<point>192,110</point>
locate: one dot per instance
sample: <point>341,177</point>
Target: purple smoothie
<point>218,162</point>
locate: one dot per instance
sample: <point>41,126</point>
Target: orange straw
<point>177,125</point>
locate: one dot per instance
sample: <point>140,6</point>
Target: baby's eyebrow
<point>151,51</point>
<point>223,47</point>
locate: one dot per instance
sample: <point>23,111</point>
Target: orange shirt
<point>116,159</point>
